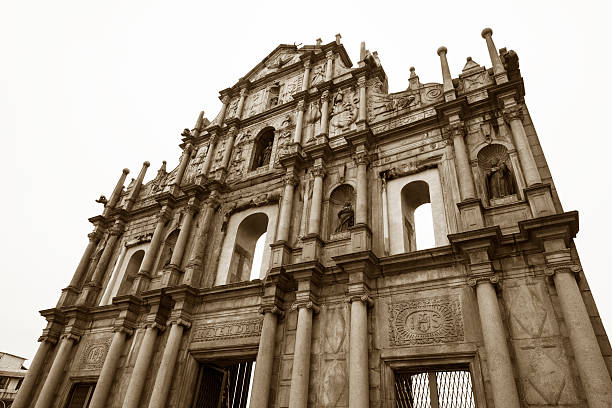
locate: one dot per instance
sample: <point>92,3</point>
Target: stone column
<point>112,201</point>
<point>361,212</point>
<point>498,68</point>
<point>181,241</point>
<point>447,80</point>
<point>27,387</point>
<point>107,374</point>
<point>94,239</point>
<point>514,116</point>
<point>262,377</point>
<point>225,101</point>
<point>227,154</point>
<point>496,346</point>
<point>300,375</point>
<point>240,106</point>
<point>385,214</point>
<point>299,122</point>
<point>212,145</point>
<point>314,223</point>
<point>115,275</point>
<point>363,99</point>
<point>284,221</point>
<point>183,165</point>
<point>464,171</point>
<point>137,184</point>
<point>144,274</point>
<point>329,66</point>
<point>306,80</point>
<point>197,250</point>
<point>141,368</point>
<point>324,130</point>
<point>359,387</point>
<point>91,288</point>
<point>166,367</point>
<point>594,374</point>
<point>56,373</point>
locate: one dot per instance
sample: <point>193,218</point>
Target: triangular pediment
<point>282,57</point>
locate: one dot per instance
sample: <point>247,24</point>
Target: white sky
<point>88,88</point>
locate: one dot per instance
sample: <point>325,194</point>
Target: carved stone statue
<point>346,216</point>
<point>500,182</point>
<point>266,153</point>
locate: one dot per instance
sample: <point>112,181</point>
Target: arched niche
<point>341,199</point>
<point>167,249</point>
<point>497,176</point>
<point>242,232</point>
<point>262,150</point>
<point>404,196</point>
<point>131,270</point>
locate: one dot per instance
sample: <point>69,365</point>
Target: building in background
<point>12,373</point>
<point>315,163</point>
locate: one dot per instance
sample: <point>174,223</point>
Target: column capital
<point>361,158</point>
<point>122,329</point>
<point>365,298</point>
<point>308,304</point>
<point>48,338</point>
<point>307,63</point>
<point>318,172</point>
<point>476,280</point>
<point>329,55</point>
<point>179,322</point>
<point>164,214</point>
<point>154,325</point>
<point>225,99</point>
<point>70,336</point>
<point>291,178</point>
<point>191,208</point>
<point>95,235</point>
<point>569,268</point>
<point>325,95</point>
<point>232,131</point>
<point>243,91</point>
<point>455,129</point>
<point>271,309</point>
<point>300,105</point>
<point>361,81</point>
<point>513,113</point>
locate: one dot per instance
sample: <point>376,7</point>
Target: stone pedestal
<point>471,214</point>
<point>280,254</point>
<point>540,200</point>
<point>312,247</point>
<point>361,238</point>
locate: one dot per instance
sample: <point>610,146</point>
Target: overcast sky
<point>88,88</point>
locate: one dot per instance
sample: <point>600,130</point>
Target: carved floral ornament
<point>426,321</point>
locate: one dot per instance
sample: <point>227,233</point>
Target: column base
<point>280,253</point>
<point>471,214</point>
<point>540,201</point>
<point>68,297</point>
<point>312,246</point>
<point>361,238</point>
<point>171,275</point>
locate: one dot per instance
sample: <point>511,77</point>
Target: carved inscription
<point>426,321</point>
<point>229,330</point>
<point>94,354</point>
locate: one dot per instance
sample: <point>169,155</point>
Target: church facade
<point>315,168</point>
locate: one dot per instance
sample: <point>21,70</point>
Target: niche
<point>499,181</point>
<point>341,210</point>
<point>131,271</point>
<point>273,95</point>
<point>168,248</point>
<point>263,148</point>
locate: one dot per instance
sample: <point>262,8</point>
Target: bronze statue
<point>346,216</point>
<point>500,182</point>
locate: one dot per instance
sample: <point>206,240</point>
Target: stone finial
<point>487,32</point>
<point>126,171</point>
<point>198,124</point>
<point>441,50</point>
<point>319,41</point>
<point>362,51</point>
<point>146,164</point>
<point>163,166</point>
<point>412,73</point>
<point>338,39</point>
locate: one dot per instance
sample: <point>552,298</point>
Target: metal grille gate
<point>434,389</point>
<point>224,387</point>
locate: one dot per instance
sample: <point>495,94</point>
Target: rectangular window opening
<point>435,388</point>
<point>80,395</point>
<point>224,385</point>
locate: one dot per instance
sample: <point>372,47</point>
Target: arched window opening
<point>263,148</point>
<point>258,256</point>
<point>414,195</point>
<point>166,254</point>
<point>250,230</point>
<point>341,209</point>
<point>423,223</point>
<point>130,272</point>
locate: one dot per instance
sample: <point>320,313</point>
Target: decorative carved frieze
<point>426,321</point>
<point>228,330</point>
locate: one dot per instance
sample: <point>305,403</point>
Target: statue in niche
<point>346,216</point>
<point>266,153</point>
<point>500,182</point>
<point>318,74</point>
<point>344,110</point>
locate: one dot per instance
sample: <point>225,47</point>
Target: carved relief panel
<point>344,111</point>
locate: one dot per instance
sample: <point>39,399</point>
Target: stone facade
<point>318,155</point>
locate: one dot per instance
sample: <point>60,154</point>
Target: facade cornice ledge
<point>427,258</point>
<point>232,290</point>
<point>457,106</point>
<point>312,270</point>
<point>53,315</point>
<point>366,260</point>
<point>517,86</point>
<point>563,226</point>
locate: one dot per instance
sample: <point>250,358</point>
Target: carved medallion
<point>426,321</point>
<point>94,354</point>
<point>229,330</point>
